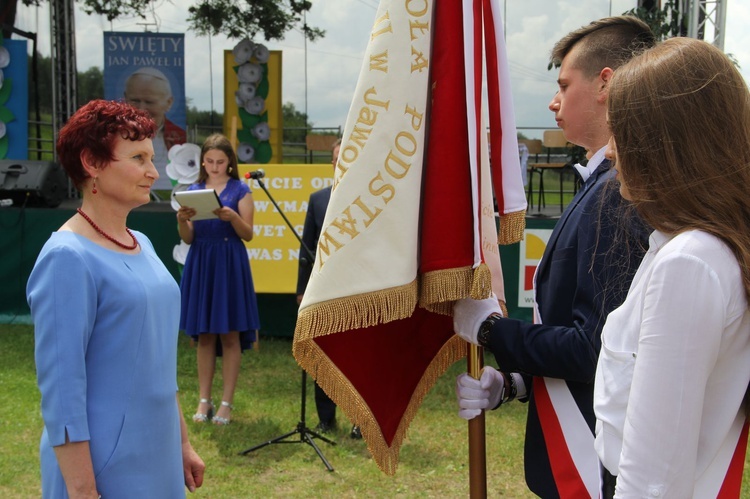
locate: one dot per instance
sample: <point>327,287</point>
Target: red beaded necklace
<point>100,231</point>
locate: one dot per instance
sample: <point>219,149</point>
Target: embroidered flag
<point>404,234</point>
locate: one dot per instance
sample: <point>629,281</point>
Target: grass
<point>433,460</point>
<point>552,193</point>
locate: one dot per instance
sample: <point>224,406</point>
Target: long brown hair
<point>680,116</point>
<point>220,142</point>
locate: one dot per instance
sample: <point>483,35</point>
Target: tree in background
<point>665,22</point>
<point>296,124</point>
<point>249,18</point>
<point>90,85</point>
<point>234,18</point>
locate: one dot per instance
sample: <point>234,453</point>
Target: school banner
<point>406,229</point>
<point>147,70</point>
<point>274,250</point>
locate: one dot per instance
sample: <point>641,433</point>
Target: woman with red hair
<point>106,314</point>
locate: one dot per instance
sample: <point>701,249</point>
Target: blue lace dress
<point>218,295</point>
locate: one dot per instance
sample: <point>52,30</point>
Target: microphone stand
<point>306,435</point>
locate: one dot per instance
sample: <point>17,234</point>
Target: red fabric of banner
<point>385,363</point>
<point>447,235</point>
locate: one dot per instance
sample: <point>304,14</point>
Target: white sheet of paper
<point>204,201</point>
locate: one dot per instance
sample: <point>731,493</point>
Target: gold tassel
<point>512,226</point>
<point>481,284</point>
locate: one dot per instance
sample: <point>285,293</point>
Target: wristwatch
<point>483,336</point>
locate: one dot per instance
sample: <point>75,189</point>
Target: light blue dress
<point>106,327</point>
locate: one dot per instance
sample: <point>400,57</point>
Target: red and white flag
<point>410,227</point>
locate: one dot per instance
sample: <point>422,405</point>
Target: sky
<point>320,77</point>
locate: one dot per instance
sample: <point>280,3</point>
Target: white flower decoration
<point>243,51</point>
<point>184,163</point>
<point>245,153</point>
<point>246,91</point>
<point>261,53</point>
<point>249,73</point>
<point>254,105</point>
<point>4,57</point>
<point>180,251</point>
<point>261,131</point>
<point>3,129</point>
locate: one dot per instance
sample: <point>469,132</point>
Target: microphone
<point>256,174</point>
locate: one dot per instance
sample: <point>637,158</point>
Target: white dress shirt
<point>673,370</point>
<point>586,171</point>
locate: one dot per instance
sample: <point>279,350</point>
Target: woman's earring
<point>93,187</point>
<point>229,170</point>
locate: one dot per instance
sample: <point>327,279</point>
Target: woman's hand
<point>226,213</point>
<point>185,213</point>
<point>192,466</point>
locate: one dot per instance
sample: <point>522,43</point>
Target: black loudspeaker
<point>32,183</point>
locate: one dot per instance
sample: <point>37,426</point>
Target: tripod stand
<point>306,435</point>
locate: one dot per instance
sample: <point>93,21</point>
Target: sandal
<point>218,420</point>
<point>200,417</point>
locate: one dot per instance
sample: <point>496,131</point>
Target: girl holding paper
<point>218,297</point>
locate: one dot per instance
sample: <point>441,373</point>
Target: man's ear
<point>605,76</point>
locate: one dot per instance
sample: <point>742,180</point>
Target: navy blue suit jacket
<point>316,212</point>
<point>584,274</point>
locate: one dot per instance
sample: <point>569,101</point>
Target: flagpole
<point>477,450</point>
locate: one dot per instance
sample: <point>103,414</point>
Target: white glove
<point>469,314</point>
<point>474,395</point>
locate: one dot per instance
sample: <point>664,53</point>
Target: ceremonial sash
<point>567,436</point>
<point>569,441</point>
<point>723,479</point>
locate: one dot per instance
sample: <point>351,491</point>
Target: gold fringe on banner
<point>356,311</point>
<point>313,360</point>
<point>440,288</point>
<point>512,226</point>
<point>481,284</point>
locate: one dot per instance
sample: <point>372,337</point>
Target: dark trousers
<point>325,406</point>
<point>608,484</point>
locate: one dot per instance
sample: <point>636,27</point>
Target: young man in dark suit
<point>583,275</point>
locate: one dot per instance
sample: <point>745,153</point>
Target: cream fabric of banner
<point>488,222</point>
<point>373,217</point>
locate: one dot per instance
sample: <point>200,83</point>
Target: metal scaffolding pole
<point>64,71</point>
<point>707,20</point>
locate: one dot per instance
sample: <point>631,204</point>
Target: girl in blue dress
<point>218,297</point>
<point>105,313</point>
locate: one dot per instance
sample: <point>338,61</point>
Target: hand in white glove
<point>469,314</point>
<point>474,395</point>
